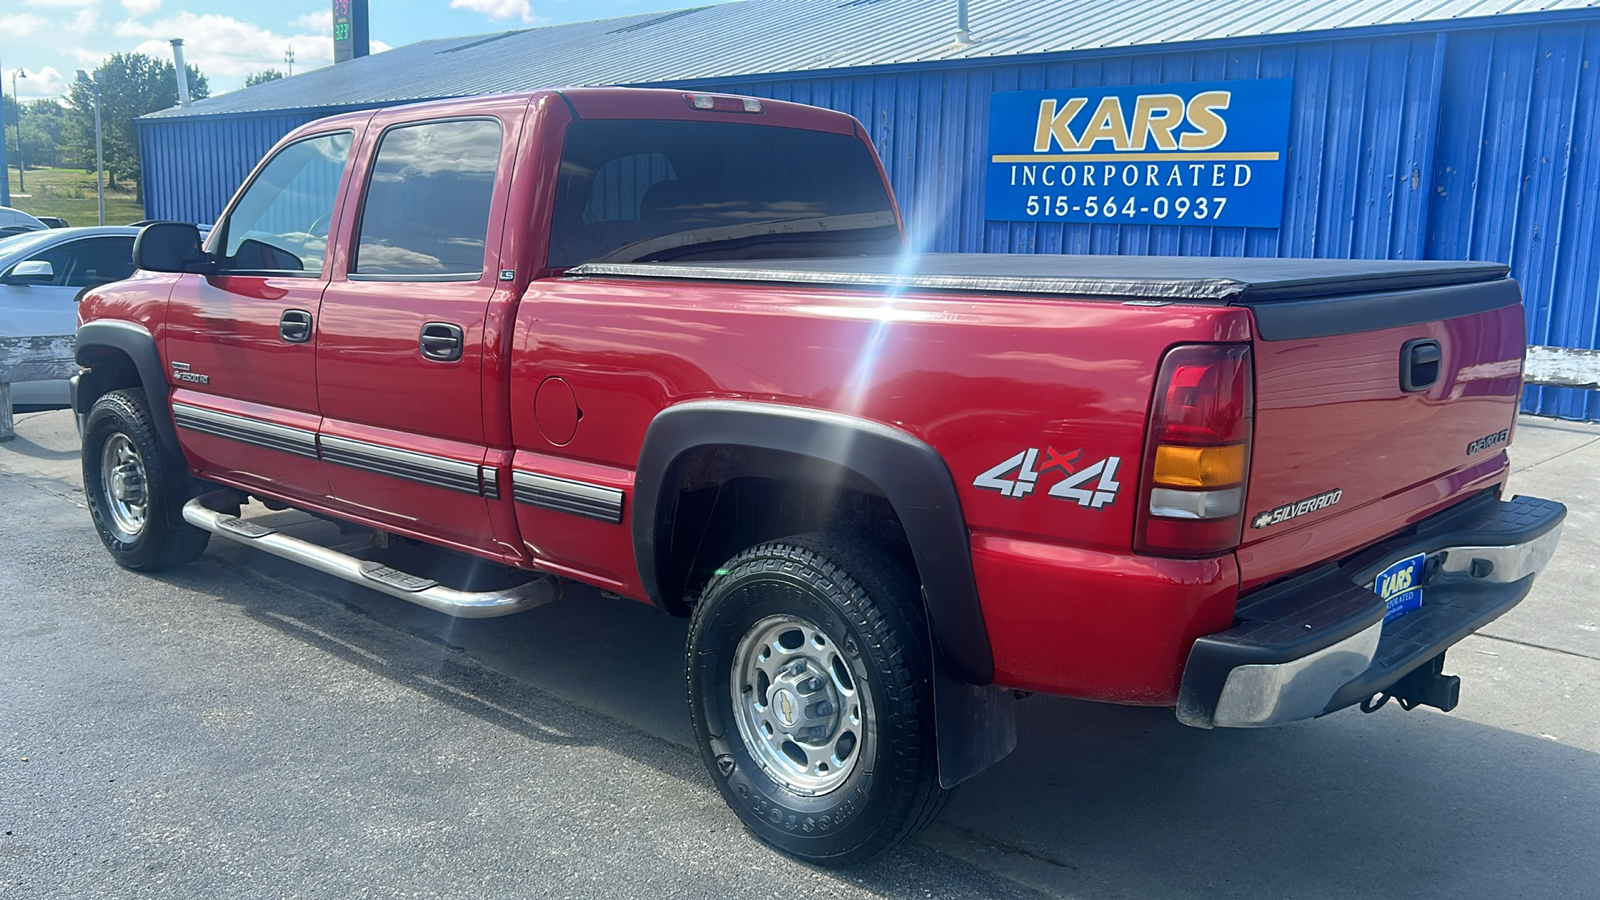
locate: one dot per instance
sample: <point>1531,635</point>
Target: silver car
<point>41,275</point>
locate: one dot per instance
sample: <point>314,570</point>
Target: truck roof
<point>621,103</point>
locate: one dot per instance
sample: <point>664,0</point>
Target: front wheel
<point>125,483</point>
<point>810,690</point>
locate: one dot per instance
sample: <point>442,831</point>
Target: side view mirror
<point>33,271</point>
<point>170,247</point>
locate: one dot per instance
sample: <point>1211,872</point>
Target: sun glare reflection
<point>919,232</point>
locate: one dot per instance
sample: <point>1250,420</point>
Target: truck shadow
<point>1096,801</point>
<point>24,447</point>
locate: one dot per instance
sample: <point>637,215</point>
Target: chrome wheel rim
<point>124,486</point>
<point>801,711</point>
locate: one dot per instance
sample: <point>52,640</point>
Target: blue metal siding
<point>1459,143</point>
<point>1481,144</point>
<point>193,166</point>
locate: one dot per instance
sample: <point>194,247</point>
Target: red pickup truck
<point>673,345</point>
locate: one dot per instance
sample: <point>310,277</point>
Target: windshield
<point>25,243</point>
<point>634,191</point>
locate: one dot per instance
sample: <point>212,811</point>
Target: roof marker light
<point>723,103</point>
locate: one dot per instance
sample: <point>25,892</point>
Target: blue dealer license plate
<point>1400,586</point>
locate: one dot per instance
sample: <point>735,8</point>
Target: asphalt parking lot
<point>246,728</point>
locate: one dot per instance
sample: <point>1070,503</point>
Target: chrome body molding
<point>578,498</point>
<point>1261,696</point>
<point>299,441</point>
<point>421,591</point>
<point>423,468</point>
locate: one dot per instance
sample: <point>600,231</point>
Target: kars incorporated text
<point>1140,154</point>
<point>1195,175</point>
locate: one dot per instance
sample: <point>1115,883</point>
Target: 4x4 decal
<point>1093,486</point>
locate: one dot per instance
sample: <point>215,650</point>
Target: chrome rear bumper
<point>1318,643</point>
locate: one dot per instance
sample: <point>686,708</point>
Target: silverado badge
<point>1295,510</point>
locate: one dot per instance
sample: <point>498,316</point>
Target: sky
<point>48,40</point>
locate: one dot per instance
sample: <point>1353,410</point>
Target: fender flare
<point>909,473</point>
<point>135,342</point>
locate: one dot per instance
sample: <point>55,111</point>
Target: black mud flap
<point>976,726</point>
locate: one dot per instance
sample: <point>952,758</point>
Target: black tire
<point>121,419</point>
<point>866,613</point>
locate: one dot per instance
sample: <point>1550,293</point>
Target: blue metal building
<point>1420,129</point>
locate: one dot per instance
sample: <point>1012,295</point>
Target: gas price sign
<point>1168,154</point>
<point>349,29</point>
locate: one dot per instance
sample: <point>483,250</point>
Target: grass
<point>69,193</point>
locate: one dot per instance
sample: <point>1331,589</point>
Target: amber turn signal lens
<point>1199,467</point>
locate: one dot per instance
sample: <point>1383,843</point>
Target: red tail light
<point>1197,455</point>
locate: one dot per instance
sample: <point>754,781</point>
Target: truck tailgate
<point>1374,410</point>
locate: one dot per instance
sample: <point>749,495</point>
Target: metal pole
<point>99,157</point>
<point>5,176</point>
<point>183,71</point>
<point>963,33</point>
<point>22,186</point>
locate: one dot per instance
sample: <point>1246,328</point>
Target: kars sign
<point>1207,153</point>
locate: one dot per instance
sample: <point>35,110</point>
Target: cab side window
<point>280,225</point>
<point>426,212</point>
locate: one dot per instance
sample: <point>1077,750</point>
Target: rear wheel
<point>126,485</point>
<point>810,689</point>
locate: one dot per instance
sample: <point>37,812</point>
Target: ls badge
<point>1093,486</point>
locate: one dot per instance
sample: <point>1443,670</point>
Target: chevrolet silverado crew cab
<point>673,345</point>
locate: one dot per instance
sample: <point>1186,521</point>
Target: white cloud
<point>46,82</point>
<point>88,58</point>
<point>319,22</point>
<point>84,20</point>
<point>138,8</point>
<point>227,48</point>
<point>22,25</point>
<point>497,9</point>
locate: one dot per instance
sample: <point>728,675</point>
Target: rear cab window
<point>646,190</point>
<point>426,212</point>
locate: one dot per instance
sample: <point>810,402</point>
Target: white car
<point>14,221</point>
<point>41,275</point>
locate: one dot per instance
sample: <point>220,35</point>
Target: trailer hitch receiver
<point>1426,685</point>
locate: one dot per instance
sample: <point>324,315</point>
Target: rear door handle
<point>294,326</point>
<point>441,342</point>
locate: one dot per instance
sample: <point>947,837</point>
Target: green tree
<point>43,124</point>
<point>131,85</point>
<point>262,77</point>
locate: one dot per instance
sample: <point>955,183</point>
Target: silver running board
<point>418,590</point>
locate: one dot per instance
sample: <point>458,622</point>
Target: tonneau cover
<point>1219,281</point>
